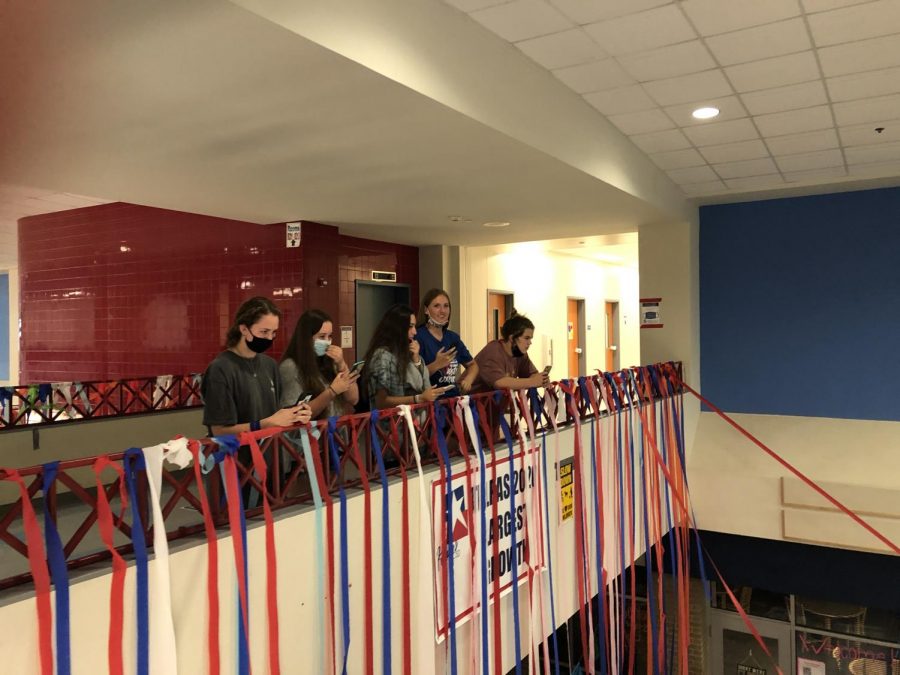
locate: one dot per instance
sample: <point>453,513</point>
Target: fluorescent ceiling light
<point>705,113</point>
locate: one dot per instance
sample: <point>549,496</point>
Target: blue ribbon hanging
<point>133,462</point>
<point>515,550</point>
<point>385,546</point>
<point>345,563</point>
<point>485,658</point>
<point>533,394</point>
<point>439,419</point>
<point>56,559</point>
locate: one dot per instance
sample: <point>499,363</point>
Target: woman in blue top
<point>447,358</point>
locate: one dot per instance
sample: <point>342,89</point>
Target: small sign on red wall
<point>292,235</point>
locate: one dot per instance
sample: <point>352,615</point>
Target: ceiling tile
<point>748,167</point>
<point>811,6</point>
<point>641,122</point>
<point>862,85</point>
<point>716,16</point>
<point>734,152</point>
<point>859,22</point>
<point>595,76</point>
<point>814,175</point>
<point>856,57</point>
<point>689,88</point>
<point>875,110</point>
<point>865,134</point>
<point>568,48</point>
<point>794,121</point>
<point>863,154</point>
<point>707,188</point>
<point>722,132</point>
<point>730,108</point>
<point>473,5</point>
<point>645,30</point>
<point>761,42</point>
<point>824,139</point>
<point>811,160</point>
<point>755,182</point>
<point>522,19</point>
<point>661,141</point>
<point>671,61</point>
<point>591,11</point>
<point>876,169</point>
<point>621,100</point>
<point>678,159</point>
<point>790,97</point>
<point>694,174</point>
<point>777,72</point>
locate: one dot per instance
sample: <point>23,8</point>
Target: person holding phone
<point>504,363</point>
<point>241,387</point>
<point>313,366</point>
<point>395,372</point>
<point>448,360</point>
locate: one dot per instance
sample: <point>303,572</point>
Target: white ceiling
<point>801,85</point>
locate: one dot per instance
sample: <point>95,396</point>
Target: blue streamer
<point>515,550</point>
<point>385,547</point>
<point>345,563</point>
<point>485,659</point>
<point>132,463</point>
<point>439,413</point>
<point>56,559</point>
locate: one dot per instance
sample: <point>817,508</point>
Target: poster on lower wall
<point>651,316</point>
<point>743,669</point>
<point>517,481</point>
<point>810,667</point>
<point>566,489</point>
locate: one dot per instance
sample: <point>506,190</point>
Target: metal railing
<point>62,402</point>
<point>289,481</point>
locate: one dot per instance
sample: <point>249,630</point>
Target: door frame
<point>616,333</point>
<point>369,282</point>
<point>580,309</point>
<point>509,306</point>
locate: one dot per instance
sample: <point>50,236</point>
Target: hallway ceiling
<point>567,118</point>
<point>801,85</point>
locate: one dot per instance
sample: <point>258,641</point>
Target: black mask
<point>516,352</point>
<point>258,344</point>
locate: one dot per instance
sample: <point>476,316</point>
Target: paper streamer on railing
<point>162,627</point>
<point>423,589</point>
<point>319,658</point>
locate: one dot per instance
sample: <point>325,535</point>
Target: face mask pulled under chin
<point>515,350</point>
<point>321,346</point>
<point>258,344</point>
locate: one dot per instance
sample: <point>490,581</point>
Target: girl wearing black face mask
<point>504,363</point>
<point>242,387</point>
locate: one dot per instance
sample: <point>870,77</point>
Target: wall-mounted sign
<point>346,337</point>
<point>570,330</point>
<point>750,670</point>
<point>292,235</point>
<point>650,313</point>
<point>566,489</point>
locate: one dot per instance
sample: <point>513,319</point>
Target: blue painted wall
<point>800,305</point>
<point>4,326</point>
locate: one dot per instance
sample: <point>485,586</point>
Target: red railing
<point>289,483</point>
<point>60,402</point>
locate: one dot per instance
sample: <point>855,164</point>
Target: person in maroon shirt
<point>504,363</point>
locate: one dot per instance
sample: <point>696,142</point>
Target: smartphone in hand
<point>357,367</point>
<point>547,370</point>
<point>302,398</point>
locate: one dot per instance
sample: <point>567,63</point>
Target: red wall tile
<point>120,290</point>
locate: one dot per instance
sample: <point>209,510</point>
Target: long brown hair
<point>392,333</point>
<point>300,350</point>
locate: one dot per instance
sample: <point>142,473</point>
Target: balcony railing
<point>349,463</point>
<point>61,402</point>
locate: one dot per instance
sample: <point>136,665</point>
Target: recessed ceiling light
<point>497,223</point>
<point>705,113</point>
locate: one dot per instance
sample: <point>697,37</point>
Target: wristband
<point>255,425</point>
<point>415,399</point>
<point>333,392</point>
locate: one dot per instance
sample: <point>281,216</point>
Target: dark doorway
<point>373,299</point>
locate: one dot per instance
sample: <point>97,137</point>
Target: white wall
<point>541,281</point>
<point>300,633</point>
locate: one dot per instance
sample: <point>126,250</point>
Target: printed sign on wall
<point>346,337</point>
<point>566,489</point>
<point>292,234</point>
<point>650,313</point>
<point>506,483</point>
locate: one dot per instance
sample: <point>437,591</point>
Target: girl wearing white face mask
<point>312,365</point>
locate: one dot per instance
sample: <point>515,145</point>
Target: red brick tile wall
<point>121,290</point>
